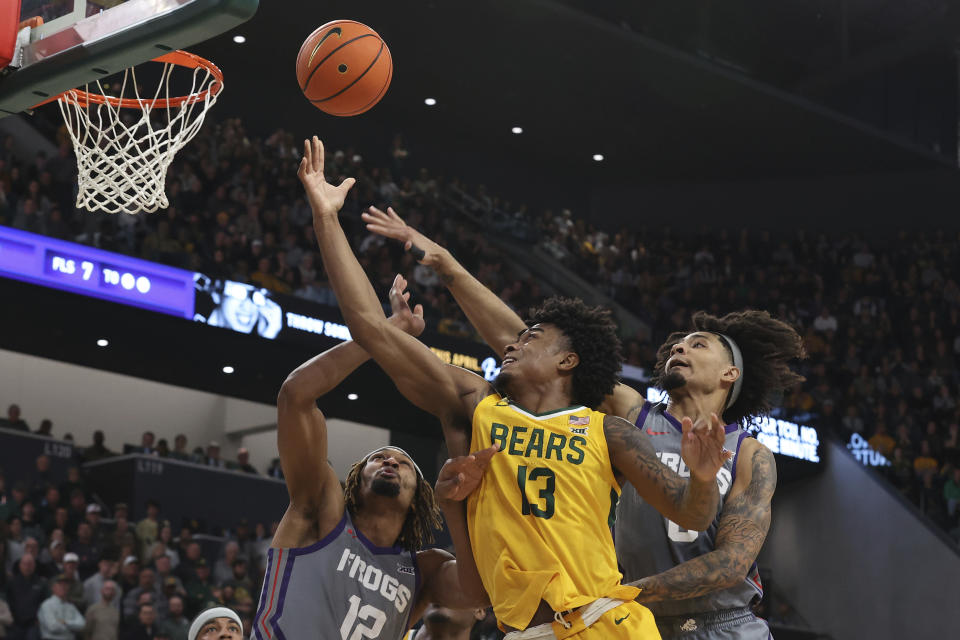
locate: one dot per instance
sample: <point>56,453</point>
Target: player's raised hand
<point>459,477</point>
<point>411,321</point>
<point>390,225</point>
<point>702,447</point>
<point>325,199</point>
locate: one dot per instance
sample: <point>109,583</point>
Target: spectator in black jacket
<point>96,451</point>
<point>25,593</point>
<point>145,628</point>
<point>87,550</point>
<point>41,479</point>
<point>13,419</point>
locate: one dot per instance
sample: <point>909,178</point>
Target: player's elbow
<point>366,326</point>
<point>737,566</point>
<point>472,597</point>
<point>694,520</point>
<point>479,600</point>
<point>294,392</point>
<point>370,331</point>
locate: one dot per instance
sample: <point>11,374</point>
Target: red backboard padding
<point>9,25</point>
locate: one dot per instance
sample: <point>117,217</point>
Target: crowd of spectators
<point>149,445</point>
<point>237,212</point>
<point>880,315</point>
<point>67,572</point>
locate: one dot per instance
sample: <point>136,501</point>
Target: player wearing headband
<point>218,623</point>
<point>346,562</point>
<point>698,583</point>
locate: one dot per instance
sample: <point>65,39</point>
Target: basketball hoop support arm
<point>193,22</point>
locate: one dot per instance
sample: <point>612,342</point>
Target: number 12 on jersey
<point>544,507</point>
<point>373,617</point>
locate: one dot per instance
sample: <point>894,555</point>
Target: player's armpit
<point>688,502</point>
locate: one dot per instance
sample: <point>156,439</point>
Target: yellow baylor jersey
<point>540,520</point>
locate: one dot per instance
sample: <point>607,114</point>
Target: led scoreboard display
<point>93,272</point>
<point>236,306</point>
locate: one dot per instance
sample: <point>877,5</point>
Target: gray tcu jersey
<point>340,588</point>
<point>647,543</point>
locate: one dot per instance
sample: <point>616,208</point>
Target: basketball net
<point>122,160</point>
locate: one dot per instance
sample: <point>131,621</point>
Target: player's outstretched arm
<point>455,582</point>
<point>743,526</point>
<point>691,503</point>
<point>448,392</point>
<point>496,322</point>
<point>491,317</point>
<point>302,429</point>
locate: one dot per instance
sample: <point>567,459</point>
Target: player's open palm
<point>460,476</point>
<point>325,199</point>
<point>702,448</point>
<point>390,225</point>
<point>411,321</point>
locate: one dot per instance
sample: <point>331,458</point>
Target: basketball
<point>344,68</point>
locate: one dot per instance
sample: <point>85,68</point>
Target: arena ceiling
<point>577,83</point>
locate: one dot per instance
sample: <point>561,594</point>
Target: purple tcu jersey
<point>647,543</point>
<point>341,588</point>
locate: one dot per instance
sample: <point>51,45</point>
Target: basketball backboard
<point>81,41</point>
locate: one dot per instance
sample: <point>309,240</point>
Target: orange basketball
<point>344,68</point>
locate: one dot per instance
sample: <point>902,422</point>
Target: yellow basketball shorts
<point>629,620</point>
<point>626,620</point>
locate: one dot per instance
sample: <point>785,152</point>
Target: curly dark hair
<point>422,518</point>
<point>592,335</point>
<point>767,345</point>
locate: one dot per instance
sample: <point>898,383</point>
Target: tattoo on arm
<point>634,413</point>
<point>632,455</point>
<point>688,503</point>
<point>743,527</point>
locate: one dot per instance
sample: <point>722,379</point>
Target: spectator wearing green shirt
<point>200,594</point>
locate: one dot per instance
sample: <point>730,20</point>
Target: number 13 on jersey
<point>539,477</point>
